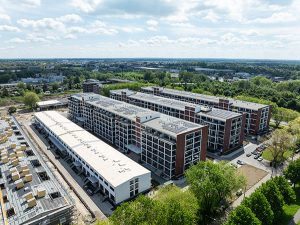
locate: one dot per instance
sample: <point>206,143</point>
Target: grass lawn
<point>268,156</point>
<point>290,210</point>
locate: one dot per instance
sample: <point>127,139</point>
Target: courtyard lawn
<point>290,210</point>
<point>268,156</point>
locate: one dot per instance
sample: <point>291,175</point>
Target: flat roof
<point>49,103</point>
<point>171,125</point>
<point>111,164</point>
<point>180,105</point>
<point>23,214</point>
<point>130,111</point>
<point>215,99</point>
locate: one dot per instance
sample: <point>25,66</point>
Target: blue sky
<point>268,29</point>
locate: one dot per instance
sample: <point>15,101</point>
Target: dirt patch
<point>252,174</point>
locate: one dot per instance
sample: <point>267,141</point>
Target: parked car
<point>260,159</point>
<point>254,152</point>
<point>297,151</point>
<point>256,156</point>
<point>240,162</point>
<point>248,154</point>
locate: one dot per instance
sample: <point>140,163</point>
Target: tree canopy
<point>30,99</point>
<point>260,206</point>
<point>212,183</point>
<point>242,215</point>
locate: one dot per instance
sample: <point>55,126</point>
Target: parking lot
<point>248,158</point>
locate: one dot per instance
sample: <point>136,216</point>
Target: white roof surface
<point>111,164</point>
<point>49,102</point>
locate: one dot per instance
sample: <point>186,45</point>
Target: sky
<point>256,29</point>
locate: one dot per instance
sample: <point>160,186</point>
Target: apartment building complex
<point>226,128</point>
<point>257,115</point>
<point>105,168</point>
<point>166,145</point>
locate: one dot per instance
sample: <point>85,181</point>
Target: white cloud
<point>278,17</point>
<point>152,23</point>
<point>45,23</point>
<point>184,25</point>
<point>211,16</point>
<point>9,28</point>
<point>30,3</point>
<point>250,32</point>
<point>16,41</point>
<point>131,29</point>
<point>4,17</point>
<point>73,18</point>
<point>85,5</point>
<point>70,36</point>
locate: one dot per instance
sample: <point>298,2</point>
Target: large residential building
<point>226,128</point>
<point>29,191</point>
<point>166,145</point>
<point>257,115</point>
<point>106,169</point>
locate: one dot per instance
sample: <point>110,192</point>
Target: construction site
<point>30,192</point>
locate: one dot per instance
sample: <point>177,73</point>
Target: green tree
<point>186,203</point>
<point>274,197</point>
<point>142,210</point>
<point>260,206</point>
<point>5,92</point>
<point>282,114</point>
<point>55,86</point>
<point>280,142</point>
<point>289,195</point>
<point>261,81</point>
<point>12,109</point>
<point>30,99</point>
<point>292,172</point>
<point>242,215</point>
<point>212,183</point>
<point>21,85</point>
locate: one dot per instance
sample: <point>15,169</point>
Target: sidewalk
<point>251,190</point>
<point>296,218</point>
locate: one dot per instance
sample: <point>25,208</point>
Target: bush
<point>12,109</point>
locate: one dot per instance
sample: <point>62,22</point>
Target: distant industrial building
<point>166,145</point>
<point>106,169</point>
<point>29,193</point>
<point>226,129</point>
<point>48,78</point>
<point>257,115</point>
<point>52,104</point>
